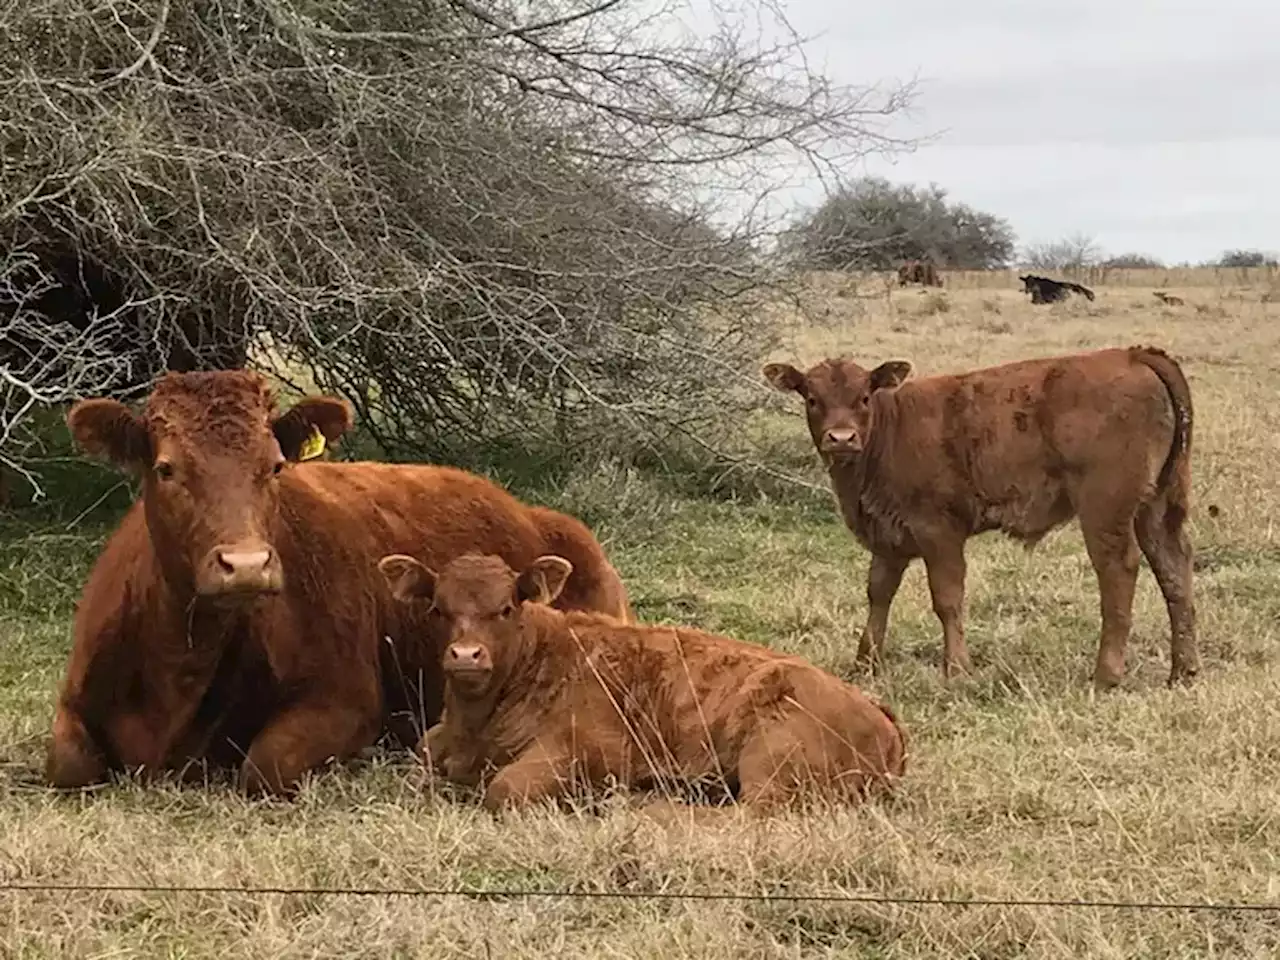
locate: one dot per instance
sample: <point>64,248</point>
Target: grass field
<point>1022,783</point>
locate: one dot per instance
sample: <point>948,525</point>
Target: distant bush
<point>1131,261</point>
<point>1077,252</point>
<point>872,224</point>
<point>1244,258</point>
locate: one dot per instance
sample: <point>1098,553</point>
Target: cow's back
<point>999,445</point>
<point>597,586</point>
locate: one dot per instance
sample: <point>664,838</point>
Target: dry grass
<point>1021,784</point>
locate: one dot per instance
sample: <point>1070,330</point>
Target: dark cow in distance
<point>918,271</point>
<point>919,466</point>
<point>1044,290</point>
<point>543,704</point>
<point>237,615</point>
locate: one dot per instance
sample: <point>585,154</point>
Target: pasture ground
<point>1021,782</point>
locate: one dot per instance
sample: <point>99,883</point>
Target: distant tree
<point>1244,258</point>
<point>1132,261</point>
<point>873,224</point>
<point>1075,252</point>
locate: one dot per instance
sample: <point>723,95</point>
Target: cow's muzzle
<point>240,570</point>
<point>841,444</point>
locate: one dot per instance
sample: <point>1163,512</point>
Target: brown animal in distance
<point>1168,299</point>
<point>918,271</point>
<point>560,702</point>
<point>920,466</point>
<point>236,615</point>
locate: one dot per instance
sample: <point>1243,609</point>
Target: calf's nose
<point>841,438</point>
<point>467,655</point>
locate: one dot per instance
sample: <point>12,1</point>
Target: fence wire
<point>19,888</point>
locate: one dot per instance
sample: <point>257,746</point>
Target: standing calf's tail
<point>1175,382</point>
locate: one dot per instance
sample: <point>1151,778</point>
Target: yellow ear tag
<point>313,446</point>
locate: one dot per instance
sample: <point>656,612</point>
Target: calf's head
<point>478,600</point>
<point>837,395</point>
<point>209,450</point>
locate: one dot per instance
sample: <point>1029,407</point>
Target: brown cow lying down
<point>557,701</point>
<point>918,467</point>
<point>237,615</point>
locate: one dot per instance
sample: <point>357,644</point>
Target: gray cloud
<point>1151,128</point>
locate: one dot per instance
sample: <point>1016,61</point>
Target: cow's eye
<point>275,470</point>
<point>164,469</point>
<point>866,399</point>
<point>508,610</point>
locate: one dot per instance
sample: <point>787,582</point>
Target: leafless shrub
<point>1074,253</point>
<point>475,222</point>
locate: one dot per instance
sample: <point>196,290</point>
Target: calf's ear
<point>784,377</point>
<point>109,430</point>
<point>408,578</point>
<point>331,417</point>
<point>890,374</point>
<point>542,580</point>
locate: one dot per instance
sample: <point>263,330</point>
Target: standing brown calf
<point>555,700</point>
<point>919,467</point>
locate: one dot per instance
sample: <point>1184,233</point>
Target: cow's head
<point>478,600</point>
<point>837,395</point>
<point>209,450</point>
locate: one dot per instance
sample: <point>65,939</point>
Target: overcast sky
<point>1154,127</point>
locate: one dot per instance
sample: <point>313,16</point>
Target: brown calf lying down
<point>561,701</point>
<point>236,615</point>
<point>920,466</point>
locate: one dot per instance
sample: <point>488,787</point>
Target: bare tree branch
<point>476,224</point>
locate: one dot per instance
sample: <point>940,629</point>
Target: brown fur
<point>918,271</point>
<point>920,466</point>
<point>276,662</point>
<point>539,702</point>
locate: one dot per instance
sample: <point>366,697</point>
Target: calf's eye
<point>164,469</point>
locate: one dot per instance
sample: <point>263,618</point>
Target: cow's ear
<point>298,430</point>
<point>784,377</point>
<point>409,579</point>
<point>542,580</point>
<point>109,430</point>
<point>890,374</point>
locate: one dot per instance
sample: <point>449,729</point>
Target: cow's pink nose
<point>242,563</point>
<point>232,569</point>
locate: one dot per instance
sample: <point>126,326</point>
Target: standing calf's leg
<point>1113,550</point>
<point>945,565</point>
<point>1164,541</point>
<point>883,579</point>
